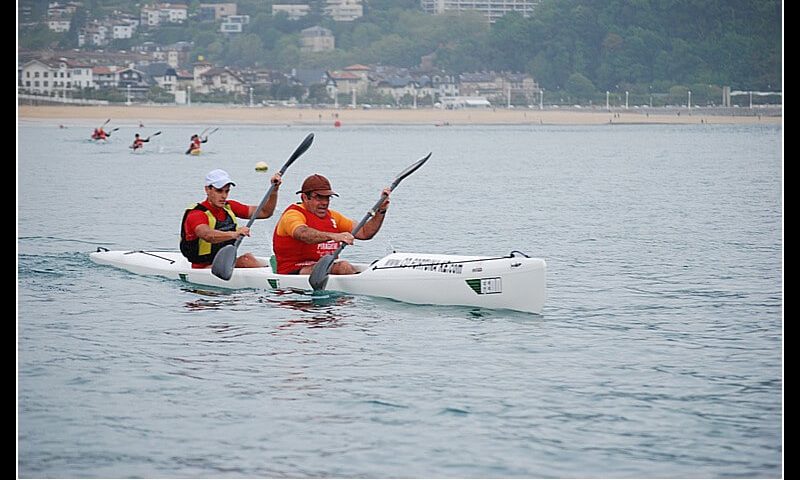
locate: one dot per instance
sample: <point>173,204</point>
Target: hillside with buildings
<point>399,52</point>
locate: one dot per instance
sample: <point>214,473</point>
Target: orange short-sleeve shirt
<point>291,219</point>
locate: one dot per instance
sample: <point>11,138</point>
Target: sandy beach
<point>422,116</point>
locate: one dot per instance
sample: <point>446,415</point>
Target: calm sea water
<point>658,354</point>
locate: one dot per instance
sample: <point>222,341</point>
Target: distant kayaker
<point>100,134</point>
<point>211,224</point>
<point>309,230</point>
<point>138,142</point>
<point>195,143</point>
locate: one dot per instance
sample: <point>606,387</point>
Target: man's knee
<point>343,267</point>
<point>248,260</point>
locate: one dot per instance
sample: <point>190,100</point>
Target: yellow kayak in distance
<point>195,152</point>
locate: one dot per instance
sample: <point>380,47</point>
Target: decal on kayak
<point>273,282</point>
<point>485,286</point>
<point>425,264</point>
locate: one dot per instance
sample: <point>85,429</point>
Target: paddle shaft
<point>319,275</point>
<point>371,213</point>
<point>299,151</point>
<point>225,260</point>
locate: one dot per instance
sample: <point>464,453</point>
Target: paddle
<point>153,135</point>
<point>191,147</point>
<point>145,140</point>
<point>319,275</point>
<point>108,134</point>
<point>225,260</point>
<point>212,131</point>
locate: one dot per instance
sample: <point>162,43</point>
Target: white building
<point>491,9</point>
<point>173,13</point>
<point>344,10</point>
<point>229,27</point>
<point>156,14</point>
<point>174,58</point>
<point>106,76</point>
<point>221,10</point>
<point>35,78</point>
<point>123,30</point>
<point>316,39</point>
<point>293,11</point>
<point>58,78</point>
<point>453,103</point>
<point>58,25</point>
<point>149,16</point>
<point>81,75</point>
<point>234,23</point>
<point>94,34</point>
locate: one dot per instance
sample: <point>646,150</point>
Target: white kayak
<point>514,282</point>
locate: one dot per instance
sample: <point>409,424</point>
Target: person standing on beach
<point>211,224</point>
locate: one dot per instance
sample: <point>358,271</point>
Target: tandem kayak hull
<point>512,282</point>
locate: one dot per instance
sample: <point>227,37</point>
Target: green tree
<point>580,87</point>
<point>38,37</point>
<point>317,93</point>
<point>76,24</point>
<point>245,50</point>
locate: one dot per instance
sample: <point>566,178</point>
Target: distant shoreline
<point>423,116</point>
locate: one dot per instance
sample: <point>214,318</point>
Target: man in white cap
<point>211,224</point>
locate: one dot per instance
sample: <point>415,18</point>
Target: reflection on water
<point>218,303</point>
<point>659,355</point>
<point>325,310</point>
<point>322,310</point>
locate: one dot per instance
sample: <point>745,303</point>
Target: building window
<point>36,74</point>
<point>69,84</point>
<point>36,83</point>
<point>45,83</point>
<point>46,74</point>
<point>27,74</point>
<point>27,83</point>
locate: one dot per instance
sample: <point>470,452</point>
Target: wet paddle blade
<point>319,275</point>
<point>224,262</point>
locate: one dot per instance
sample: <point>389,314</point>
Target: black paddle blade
<point>301,149</point>
<point>224,262</point>
<point>412,168</point>
<point>319,275</point>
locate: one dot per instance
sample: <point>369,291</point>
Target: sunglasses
<point>319,197</point>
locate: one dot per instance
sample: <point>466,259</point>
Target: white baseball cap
<point>218,178</point>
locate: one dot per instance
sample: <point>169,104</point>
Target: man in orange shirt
<point>309,230</point>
